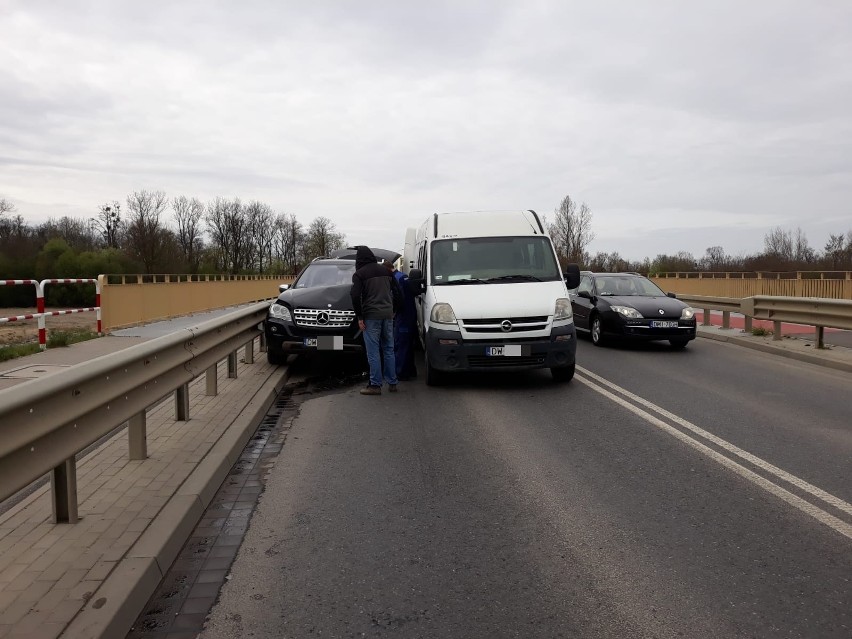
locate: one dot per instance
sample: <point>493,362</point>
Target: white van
<point>491,295</point>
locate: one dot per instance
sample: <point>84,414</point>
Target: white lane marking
<point>819,493</point>
<point>817,513</point>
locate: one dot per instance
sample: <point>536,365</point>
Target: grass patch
<point>17,350</point>
<point>759,331</point>
<point>55,339</point>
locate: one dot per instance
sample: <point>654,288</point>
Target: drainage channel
<point>187,593</point>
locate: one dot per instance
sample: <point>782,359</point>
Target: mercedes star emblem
<point>322,318</point>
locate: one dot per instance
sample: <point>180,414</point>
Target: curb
<point>779,350</point>
<point>117,603</point>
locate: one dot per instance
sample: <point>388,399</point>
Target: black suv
<point>315,312</point>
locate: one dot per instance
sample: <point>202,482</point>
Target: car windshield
<point>319,274</point>
<point>493,260</point>
<point>623,285</point>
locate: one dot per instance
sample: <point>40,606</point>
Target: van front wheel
<point>433,377</point>
<point>563,374</point>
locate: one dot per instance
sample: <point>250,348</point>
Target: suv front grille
<point>322,318</point>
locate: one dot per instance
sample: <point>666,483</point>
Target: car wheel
<point>678,344</point>
<point>596,331</point>
<point>275,358</point>
<point>563,374</point>
<point>433,377</point>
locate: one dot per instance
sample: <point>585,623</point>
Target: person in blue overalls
<point>404,329</point>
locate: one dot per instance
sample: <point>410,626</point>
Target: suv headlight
<point>687,313</point>
<point>627,311</point>
<point>442,313</point>
<point>563,309</point>
<point>279,311</point>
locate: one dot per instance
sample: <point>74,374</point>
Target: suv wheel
<point>274,357</point>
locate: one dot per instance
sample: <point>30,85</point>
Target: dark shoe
<point>392,388</point>
<point>371,390</point>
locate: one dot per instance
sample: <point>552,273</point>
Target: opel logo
<point>662,312</point>
<point>322,318</point>
<point>506,326</point>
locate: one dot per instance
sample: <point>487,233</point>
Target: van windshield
<point>493,260</point>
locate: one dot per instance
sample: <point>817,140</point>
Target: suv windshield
<point>622,285</point>
<point>491,260</point>
<point>319,274</point>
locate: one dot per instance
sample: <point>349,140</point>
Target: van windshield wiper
<point>526,278</point>
<point>467,280</point>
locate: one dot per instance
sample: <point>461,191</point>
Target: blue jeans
<point>378,338</point>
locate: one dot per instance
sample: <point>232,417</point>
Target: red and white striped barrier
<point>40,313</point>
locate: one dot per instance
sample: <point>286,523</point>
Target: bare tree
<point>188,214</point>
<point>145,231</point>
<point>715,259</point>
<point>108,223</point>
<point>778,243</point>
<point>78,233</point>
<point>6,206</point>
<point>261,231</point>
<point>226,225</point>
<point>571,231</point>
<point>322,238</point>
<point>289,239</point>
<point>834,250</point>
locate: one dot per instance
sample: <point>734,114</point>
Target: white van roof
<point>487,224</point>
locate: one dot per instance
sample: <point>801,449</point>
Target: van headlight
<point>562,310</point>
<point>687,313</point>
<point>279,311</point>
<point>442,313</point>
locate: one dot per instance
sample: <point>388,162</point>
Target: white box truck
<point>491,295</point>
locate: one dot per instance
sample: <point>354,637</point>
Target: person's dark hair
<point>388,265</point>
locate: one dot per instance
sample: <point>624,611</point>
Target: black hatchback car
<point>315,313</point>
<point>630,306</point>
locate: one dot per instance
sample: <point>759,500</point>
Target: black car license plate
<point>326,343</point>
<point>663,324</point>
<point>509,350</point>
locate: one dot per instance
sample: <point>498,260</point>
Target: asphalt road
<point>702,493</point>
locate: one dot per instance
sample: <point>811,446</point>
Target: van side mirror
<point>572,276</point>
<point>416,283</point>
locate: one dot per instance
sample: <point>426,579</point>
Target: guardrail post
<point>776,330</point>
<point>250,352</point>
<point>63,488</point>
<point>748,321</point>
<point>726,319</point>
<point>182,403</point>
<point>212,381</point>
<point>262,348</point>
<point>820,334</point>
<point>705,321</point>
<point>137,431</point>
<point>232,365</point>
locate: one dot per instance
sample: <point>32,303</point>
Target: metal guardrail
<point>45,422</point>
<point>818,312</point>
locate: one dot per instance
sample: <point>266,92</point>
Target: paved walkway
<point>91,579</point>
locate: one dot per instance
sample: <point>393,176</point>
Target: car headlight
<point>687,313</point>
<point>627,311</point>
<point>279,311</point>
<point>442,313</point>
<point>563,309</point>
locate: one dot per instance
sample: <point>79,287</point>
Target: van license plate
<point>510,350</point>
<point>659,324</point>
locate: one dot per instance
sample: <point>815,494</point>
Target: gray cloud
<point>676,122</point>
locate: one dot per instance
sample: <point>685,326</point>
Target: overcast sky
<point>682,125</point>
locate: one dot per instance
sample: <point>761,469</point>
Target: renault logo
<point>322,318</point>
<point>506,326</point>
<point>662,312</point>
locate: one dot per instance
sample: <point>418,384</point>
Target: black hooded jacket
<point>375,292</point>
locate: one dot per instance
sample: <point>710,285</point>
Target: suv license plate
<point>510,350</point>
<point>327,343</point>
<point>662,324</point>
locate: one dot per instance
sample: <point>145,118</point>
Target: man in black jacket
<point>376,298</point>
